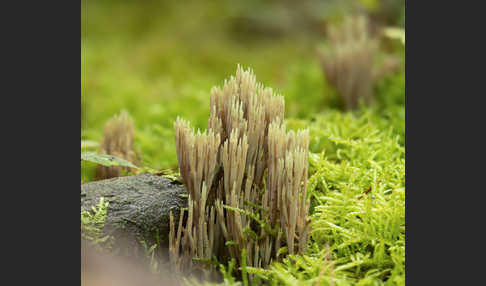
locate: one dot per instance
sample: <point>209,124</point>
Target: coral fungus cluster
<point>246,177</point>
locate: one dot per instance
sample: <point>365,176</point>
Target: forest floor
<point>158,67</point>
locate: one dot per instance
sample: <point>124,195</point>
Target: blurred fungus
<point>348,61</point>
<point>118,137</point>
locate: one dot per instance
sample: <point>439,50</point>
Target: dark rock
<point>139,208</point>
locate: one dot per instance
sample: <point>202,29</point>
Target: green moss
<point>92,223</point>
<point>357,185</point>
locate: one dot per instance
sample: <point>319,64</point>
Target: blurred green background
<point>159,59</point>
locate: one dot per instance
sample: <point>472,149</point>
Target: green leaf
<point>106,160</point>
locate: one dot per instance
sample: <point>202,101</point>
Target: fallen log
<point>139,208</point>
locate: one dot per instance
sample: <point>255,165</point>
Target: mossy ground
<point>159,61</point>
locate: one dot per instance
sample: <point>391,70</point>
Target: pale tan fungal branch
<point>246,178</point>
<point>118,138</point>
<point>348,61</point>
<point>197,154</point>
<point>287,183</point>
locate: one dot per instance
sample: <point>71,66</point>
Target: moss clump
<point>357,187</point>
<point>92,224</point>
